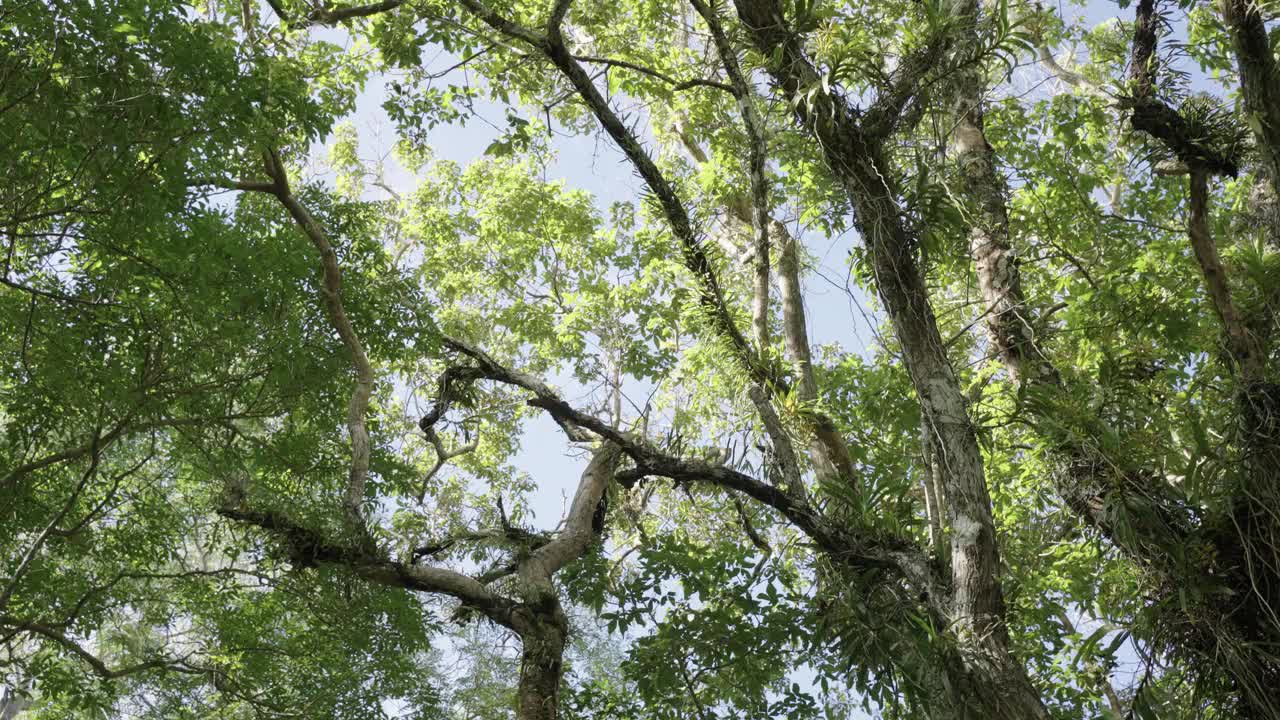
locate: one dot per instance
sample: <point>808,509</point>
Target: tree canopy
<point>918,361</point>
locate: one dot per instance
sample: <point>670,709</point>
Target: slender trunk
<point>1009,322</point>
<point>828,449</point>
<point>1240,346</point>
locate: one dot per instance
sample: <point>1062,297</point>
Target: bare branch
<point>783,448</point>
<point>745,520</point>
<point>492,370</point>
<point>1070,77</point>
<point>850,549</point>
<point>265,186</point>
<point>443,456</point>
<point>95,663</point>
<point>676,85</point>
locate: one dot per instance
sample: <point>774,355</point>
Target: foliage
<point>169,356</point>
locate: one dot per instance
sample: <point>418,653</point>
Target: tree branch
<point>853,550</point>
<point>325,15</point>
<point>95,454</point>
<point>695,257</point>
<point>309,547</point>
<point>331,292</point>
<point>1240,345</point>
<point>676,85</point>
<point>572,541</point>
<point>886,113</point>
<point>98,665</point>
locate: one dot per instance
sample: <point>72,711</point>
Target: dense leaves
<point>849,260</point>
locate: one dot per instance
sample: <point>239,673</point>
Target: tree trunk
<point>541,665</point>
<point>995,683</point>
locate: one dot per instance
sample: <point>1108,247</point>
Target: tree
<point>1061,452</point>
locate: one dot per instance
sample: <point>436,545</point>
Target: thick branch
<point>830,453</point>
<point>899,555</point>
<point>831,456</point>
<point>1068,76</point>
<point>491,369</point>
<point>503,25</point>
<point>888,111</point>
<point>578,532</point>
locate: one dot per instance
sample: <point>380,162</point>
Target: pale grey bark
<point>929,486</point>
<point>11,704</point>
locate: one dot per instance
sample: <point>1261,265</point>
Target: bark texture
<point>991,677</point>
<point>541,666</point>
